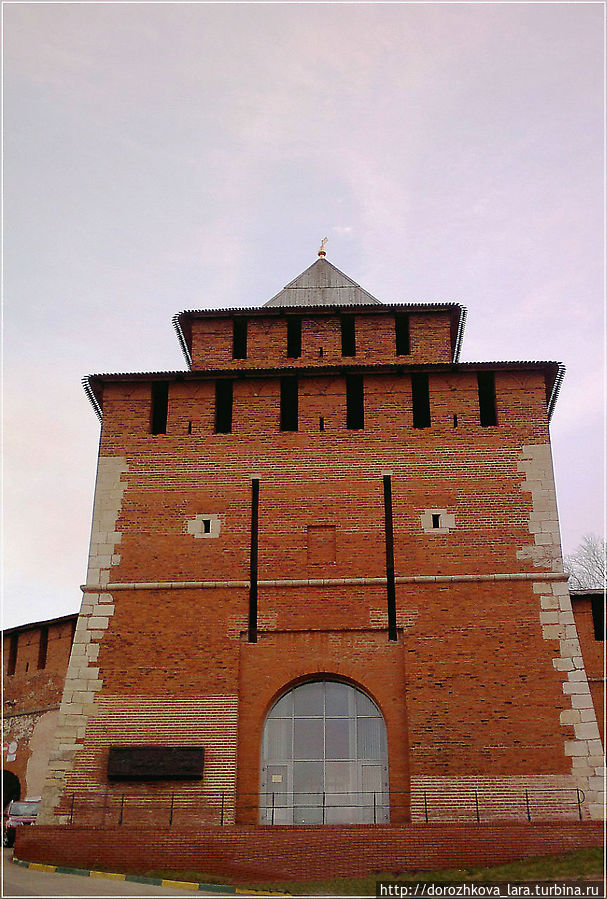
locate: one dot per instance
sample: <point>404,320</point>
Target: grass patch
<point>574,865</point>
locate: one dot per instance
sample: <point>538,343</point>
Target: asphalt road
<point>18,881</point>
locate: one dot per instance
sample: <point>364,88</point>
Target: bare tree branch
<point>587,566</point>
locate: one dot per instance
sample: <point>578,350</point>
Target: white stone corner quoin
<point>545,552</point>
<point>585,750</point>
<point>82,681</point>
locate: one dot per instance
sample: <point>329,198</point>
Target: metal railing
<point>215,807</point>
<point>525,804</point>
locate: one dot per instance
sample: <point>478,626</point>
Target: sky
<point>171,156</point>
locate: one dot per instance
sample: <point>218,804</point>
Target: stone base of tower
<point>249,854</point>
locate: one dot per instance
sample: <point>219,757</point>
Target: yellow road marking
<point>108,874</point>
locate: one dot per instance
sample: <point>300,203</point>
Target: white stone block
<point>549,617</point>
<point>576,747</point>
<point>575,687</point>
<point>552,632</point>
<point>581,770</point>
<point>563,664</point>
<point>582,701</point>
<point>586,731</point>
<point>570,716</point>
<point>549,602</point>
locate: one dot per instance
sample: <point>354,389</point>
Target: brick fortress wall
<point>257,854</point>
<point>484,688</point>
<point>35,660</point>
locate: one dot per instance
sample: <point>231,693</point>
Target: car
<point>18,813</point>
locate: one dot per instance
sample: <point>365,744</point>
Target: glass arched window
<point>324,758</point>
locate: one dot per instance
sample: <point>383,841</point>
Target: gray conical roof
<point>322,285</point>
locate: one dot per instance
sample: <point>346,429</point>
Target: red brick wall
<point>267,341</point>
<point>249,854</point>
<point>470,470</point>
<point>30,686</point>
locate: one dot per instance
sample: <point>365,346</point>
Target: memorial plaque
<point>155,762</point>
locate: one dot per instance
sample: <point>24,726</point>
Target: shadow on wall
<point>11,788</point>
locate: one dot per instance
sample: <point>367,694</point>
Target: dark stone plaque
<point>155,762</point>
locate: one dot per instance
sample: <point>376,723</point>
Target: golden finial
<point>322,253</point>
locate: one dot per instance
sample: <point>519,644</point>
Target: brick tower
<point>325,581</point>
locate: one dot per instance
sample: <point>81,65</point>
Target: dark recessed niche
<point>294,337</point>
<point>155,762</point>
<point>486,398</point>
<point>239,338</point>
<point>355,402</point>
<point>420,393</point>
<point>160,407</point>
<point>348,335</point>
<point>401,326</point>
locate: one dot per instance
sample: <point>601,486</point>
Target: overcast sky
<point>161,157</point>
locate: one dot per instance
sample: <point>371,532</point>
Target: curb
<point>149,881</point>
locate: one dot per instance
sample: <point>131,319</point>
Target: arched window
<point>324,758</point>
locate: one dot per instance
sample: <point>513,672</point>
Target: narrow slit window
<point>401,324</point>
<point>12,654</point>
<point>43,647</point>
<point>348,335</point>
<point>289,404</point>
<point>239,338</point>
<point>598,617</point>
<point>293,337</point>
<point>223,406</point>
<point>206,525</point>
<point>486,398</point>
<point>355,402</point>
<point>420,393</point>
<point>160,406</point>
